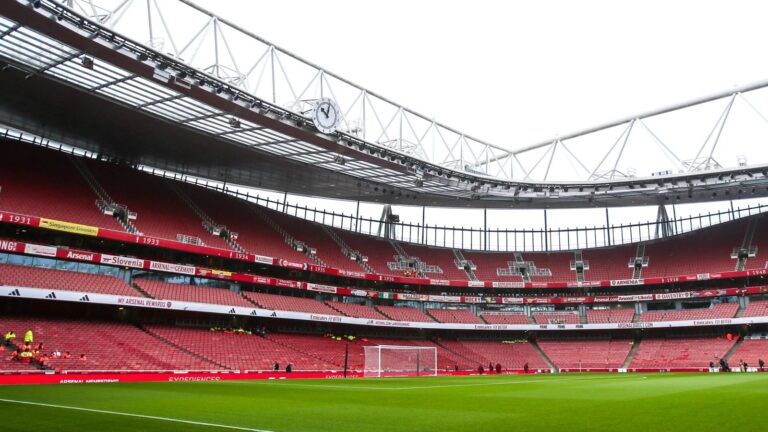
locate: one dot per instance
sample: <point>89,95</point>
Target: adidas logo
<point>274,314</point>
<point>15,293</point>
<point>232,311</point>
<point>52,295</point>
<point>253,313</point>
<point>85,298</point>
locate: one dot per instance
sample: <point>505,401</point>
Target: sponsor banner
<point>359,293</point>
<point>287,283</point>
<point>219,274</point>
<point>19,219</point>
<point>77,255</point>
<point>11,246</point>
<point>172,268</point>
<point>263,280</point>
<point>407,296</point>
<point>508,284</point>
<point>626,282</point>
<point>702,276</point>
<point>47,251</point>
<point>577,299</point>
<point>263,259</point>
<point>122,261</point>
<point>582,284</point>
<point>439,282</point>
<point>69,227</point>
<point>606,299</point>
<point>512,300</point>
<point>633,298</point>
<point>472,299</point>
<point>672,296</point>
<point>144,302</point>
<point>444,299</point>
<point>167,376</point>
<point>293,265</point>
<point>321,288</point>
<point>476,284</point>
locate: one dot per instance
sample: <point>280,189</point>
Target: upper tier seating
<point>399,313</point>
<point>38,182</point>
<point>610,263</point>
<point>238,351</point>
<point>440,257</point>
<point>286,303</point>
<point>610,316</point>
<point>708,251</point>
<point>356,310</point>
<point>756,309</point>
<point>191,293</point>
<point>106,345</point>
<point>505,318</point>
<point>488,262</point>
<point>556,318</point>
<point>255,235</point>
<point>379,252</point>
<point>461,316</point>
<point>718,311</point>
<point>35,277</point>
<point>558,263</point>
<point>160,211</point>
<point>587,354</point>
<point>760,243</point>
<point>680,352</point>
<point>509,355</point>
<point>315,237</point>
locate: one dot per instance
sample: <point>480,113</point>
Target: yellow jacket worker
<point>29,337</point>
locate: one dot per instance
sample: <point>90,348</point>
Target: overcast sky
<point>514,73</point>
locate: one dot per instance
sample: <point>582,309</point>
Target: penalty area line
<point>167,419</point>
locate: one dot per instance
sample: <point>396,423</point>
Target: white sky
<point>517,73</point>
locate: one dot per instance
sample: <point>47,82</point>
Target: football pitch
<point>567,402</point>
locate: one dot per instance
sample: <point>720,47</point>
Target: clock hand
<point>324,111</point>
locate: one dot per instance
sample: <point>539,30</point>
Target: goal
<point>398,361</point>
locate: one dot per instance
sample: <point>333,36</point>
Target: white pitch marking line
<point>135,415</point>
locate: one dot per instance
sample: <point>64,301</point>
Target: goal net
<point>391,361</point>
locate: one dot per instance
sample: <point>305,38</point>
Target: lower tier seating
<point>286,303</point>
<point>106,345</point>
<point>356,310</point>
<point>513,355</point>
<point>505,318</point>
<point>718,311</point>
<point>680,352</point>
<point>751,351</point>
<point>191,293</point>
<point>756,308</point>
<point>610,316</point>
<point>587,354</point>
<point>399,313</point>
<point>35,277</point>
<point>461,316</point>
<point>556,318</point>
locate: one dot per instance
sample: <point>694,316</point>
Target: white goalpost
<point>398,361</point>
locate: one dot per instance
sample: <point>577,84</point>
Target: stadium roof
<point>70,77</point>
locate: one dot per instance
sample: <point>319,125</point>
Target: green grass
<point>568,402</point>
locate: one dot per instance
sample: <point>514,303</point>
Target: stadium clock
<point>326,115</point>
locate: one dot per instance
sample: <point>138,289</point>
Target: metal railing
<point>496,240</point>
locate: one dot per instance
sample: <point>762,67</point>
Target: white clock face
<point>326,115</point>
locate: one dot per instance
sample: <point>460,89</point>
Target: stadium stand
<point>65,280</point>
<point>379,252</point>
<point>191,293</point>
<point>488,262</point>
<point>755,309</point>
<point>751,350</point>
<point>586,354</point>
<point>41,182</point>
<point>609,264</point>
<point>161,212</point>
<point>254,233</point>
<point>680,352</point>
<point>443,258</point>
<point>718,311</point>
<point>556,318</point>
<point>356,310</point>
<point>323,349</point>
<point>106,345</point>
<point>238,351</point>
<point>610,316</point>
<point>399,313</point>
<point>505,318</point>
<point>512,355</point>
<point>286,303</point>
<point>461,316</point>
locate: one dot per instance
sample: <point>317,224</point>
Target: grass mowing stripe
<point>214,425</point>
<point>285,383</point>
